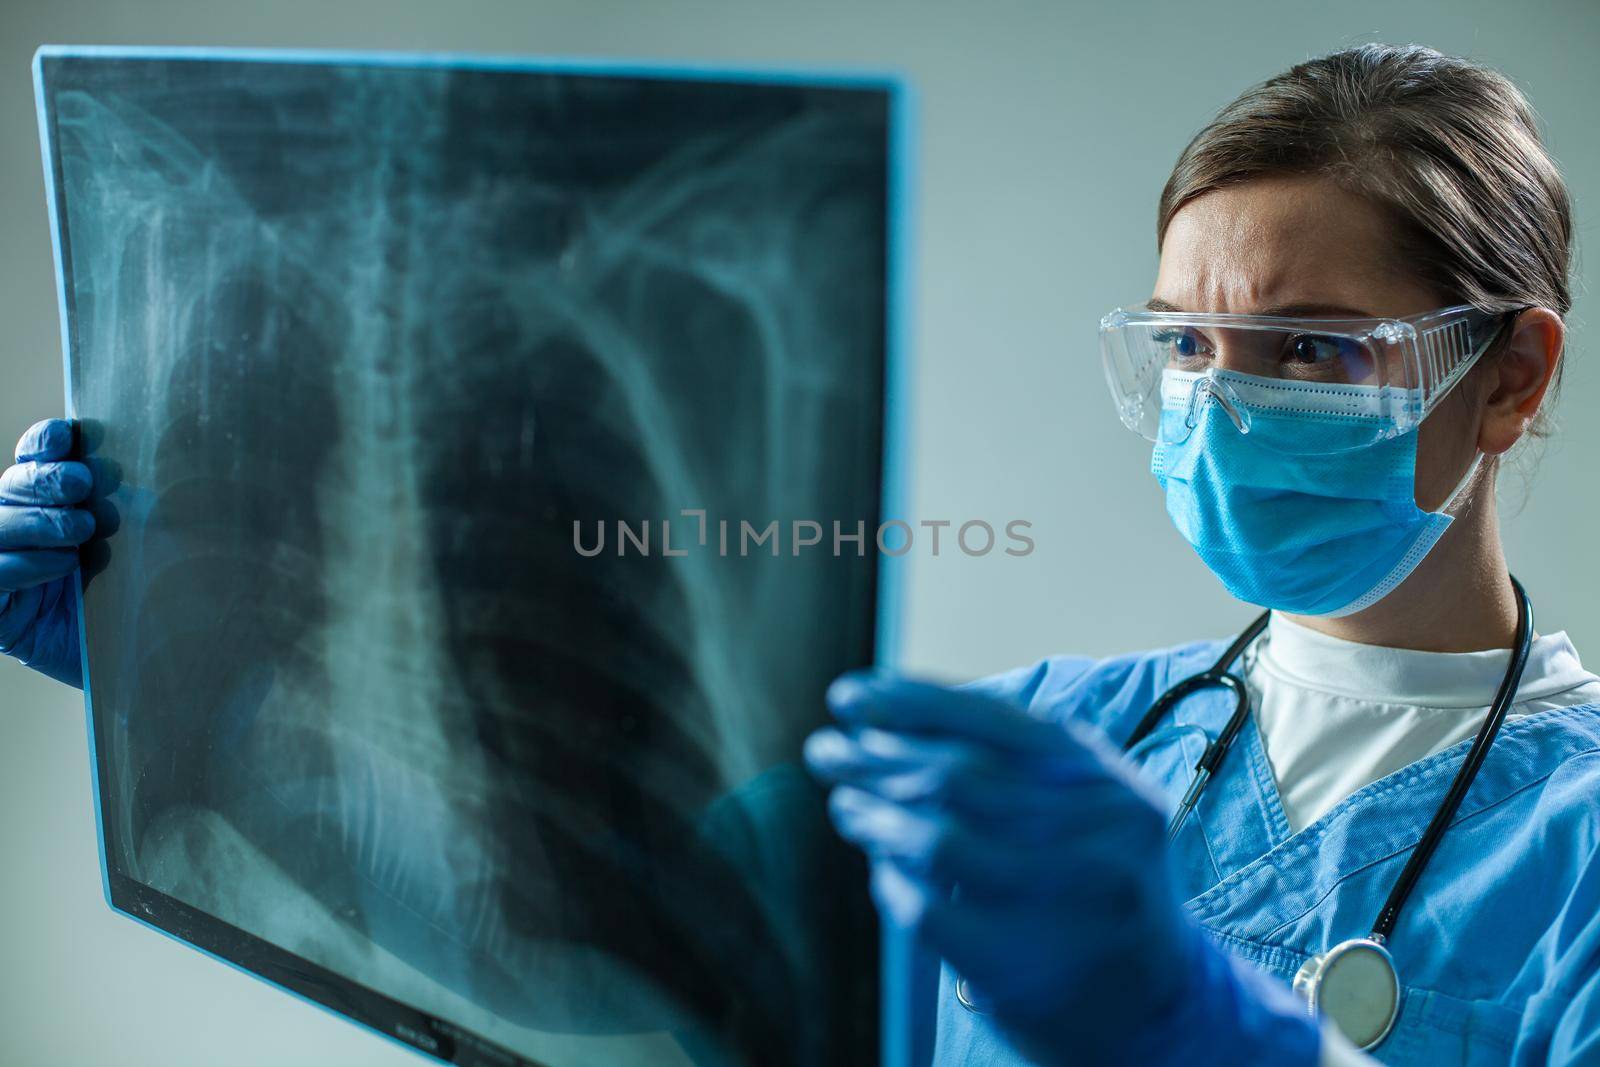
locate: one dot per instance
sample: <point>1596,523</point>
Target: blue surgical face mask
<point>1293,507</point>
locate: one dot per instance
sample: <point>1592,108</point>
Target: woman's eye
<point>1182,344</point>
<point>1332,358</point>
<point>1309,348</point>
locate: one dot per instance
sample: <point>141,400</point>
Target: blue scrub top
<point>1498,948</point>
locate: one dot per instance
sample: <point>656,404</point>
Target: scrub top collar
<point>1262,889</point>
<point>1247,873</point>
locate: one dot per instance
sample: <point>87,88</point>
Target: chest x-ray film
<point>483,451</point>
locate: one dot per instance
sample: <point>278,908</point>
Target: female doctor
<point>1359,309</point>
<point>1388,792</point>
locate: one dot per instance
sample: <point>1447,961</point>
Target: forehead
<point>1285,241</point>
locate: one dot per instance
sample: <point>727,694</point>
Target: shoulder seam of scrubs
<point>1035,679</point>
<point>1395,837</point>
<point>1196,656</point>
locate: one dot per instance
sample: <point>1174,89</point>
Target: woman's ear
<point>1520,377</point>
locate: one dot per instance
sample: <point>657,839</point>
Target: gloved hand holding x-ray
<point>41,527</point>
<point>1028,856</point>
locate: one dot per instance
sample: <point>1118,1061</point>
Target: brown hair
<point>1449,148</point>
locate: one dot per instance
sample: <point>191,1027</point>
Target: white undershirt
<point>1335,715</point>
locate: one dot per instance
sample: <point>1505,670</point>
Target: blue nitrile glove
<point>1027,855</point>
<point>40,531</point>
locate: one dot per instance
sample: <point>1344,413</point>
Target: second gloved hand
<point>1027,856</point>
<point>40,531</point>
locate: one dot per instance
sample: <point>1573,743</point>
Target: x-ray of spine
<point>354,349</point>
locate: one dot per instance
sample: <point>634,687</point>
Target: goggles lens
<point>1383,373</point>
<point>1286,354</point>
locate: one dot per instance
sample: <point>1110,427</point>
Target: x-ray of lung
<point>369,358</point>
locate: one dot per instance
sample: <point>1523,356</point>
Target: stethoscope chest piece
<point>1354,984</point>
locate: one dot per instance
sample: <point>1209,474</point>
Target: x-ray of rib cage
<point>354,346</point>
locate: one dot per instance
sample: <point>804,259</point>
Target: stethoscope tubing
<point>1220,676</point>
<point>1504,697</point>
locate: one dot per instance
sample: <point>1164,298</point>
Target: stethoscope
<point>1354,983</point>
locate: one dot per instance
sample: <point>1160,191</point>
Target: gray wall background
<point>1047,130</point>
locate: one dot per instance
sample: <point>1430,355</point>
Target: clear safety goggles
<point>1379,377</point>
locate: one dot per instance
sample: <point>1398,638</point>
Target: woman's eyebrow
<point>1295,310</point>
<point>1313,310</point>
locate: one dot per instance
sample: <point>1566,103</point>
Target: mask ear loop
<point>1454,501</point>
